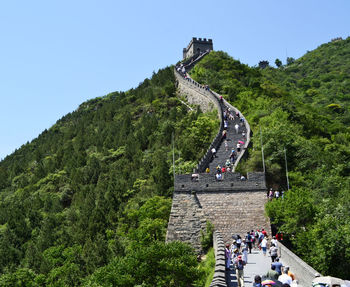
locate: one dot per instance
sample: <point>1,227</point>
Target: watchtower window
<point>198,50</point>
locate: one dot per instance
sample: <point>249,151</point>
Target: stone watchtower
<point>197,46</point>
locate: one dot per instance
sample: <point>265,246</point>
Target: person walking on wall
<point>248,240</point>
<point>263,245</point>
<point>245,251</point>
<point>273,252</point>
<point>239,263</point>
<point>213,151</point>
<point>236,128</point>
<point>228,256</point>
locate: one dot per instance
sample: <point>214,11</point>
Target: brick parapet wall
<point>230,182</point>
<point>304,273</point>
<point>219,278</point>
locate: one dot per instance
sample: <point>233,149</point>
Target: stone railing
<point>231,181</point>
<point>304,273</point>
<point>219,278</point>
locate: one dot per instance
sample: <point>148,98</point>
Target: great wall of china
<point>234,206</point>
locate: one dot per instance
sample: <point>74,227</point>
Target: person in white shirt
<point>263,245</point>
<point>274,241</point>
<point>285,278</point>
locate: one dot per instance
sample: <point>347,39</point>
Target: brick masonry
<point>232,211</point>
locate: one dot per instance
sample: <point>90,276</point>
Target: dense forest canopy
<point>302,107</point>
<point>87,203</point>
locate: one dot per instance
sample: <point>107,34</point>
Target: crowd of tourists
<point>235,149</point>
<point>271,194</point>
<point>238,251</point>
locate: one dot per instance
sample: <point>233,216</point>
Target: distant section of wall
<point>196,94</point>
<point>304,273</point>
<point>219,278</point>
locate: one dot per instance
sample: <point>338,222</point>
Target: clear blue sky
<point>56,54</point>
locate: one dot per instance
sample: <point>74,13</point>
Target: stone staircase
<point>232,139</point>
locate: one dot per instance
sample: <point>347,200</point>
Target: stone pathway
<point>258,264</point>
<point>232,139</point>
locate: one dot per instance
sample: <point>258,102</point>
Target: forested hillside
<point>304,108</point>
<point>87,202</point>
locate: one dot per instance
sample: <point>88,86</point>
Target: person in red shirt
<point>263,231</point>
<point>279,236</point>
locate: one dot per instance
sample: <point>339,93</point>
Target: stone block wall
<point>219,278</point>
<point>304,273</point>
<point>232,211</point>
<point>197,45</point>
<point>186,220</point>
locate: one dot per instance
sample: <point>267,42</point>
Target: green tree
<point>278,63</point>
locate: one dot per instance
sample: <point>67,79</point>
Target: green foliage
<point>93,192</point>
<point>158,264</point>
<point>278,63</point>
<point>207,236</point>
<point>207,268</point>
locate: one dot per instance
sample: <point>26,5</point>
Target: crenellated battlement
<point>197,46</point>
<point>230,182</point>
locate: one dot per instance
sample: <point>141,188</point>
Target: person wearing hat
<point>234,245</point>
<point>234,254</point>
<point>239,264</point>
